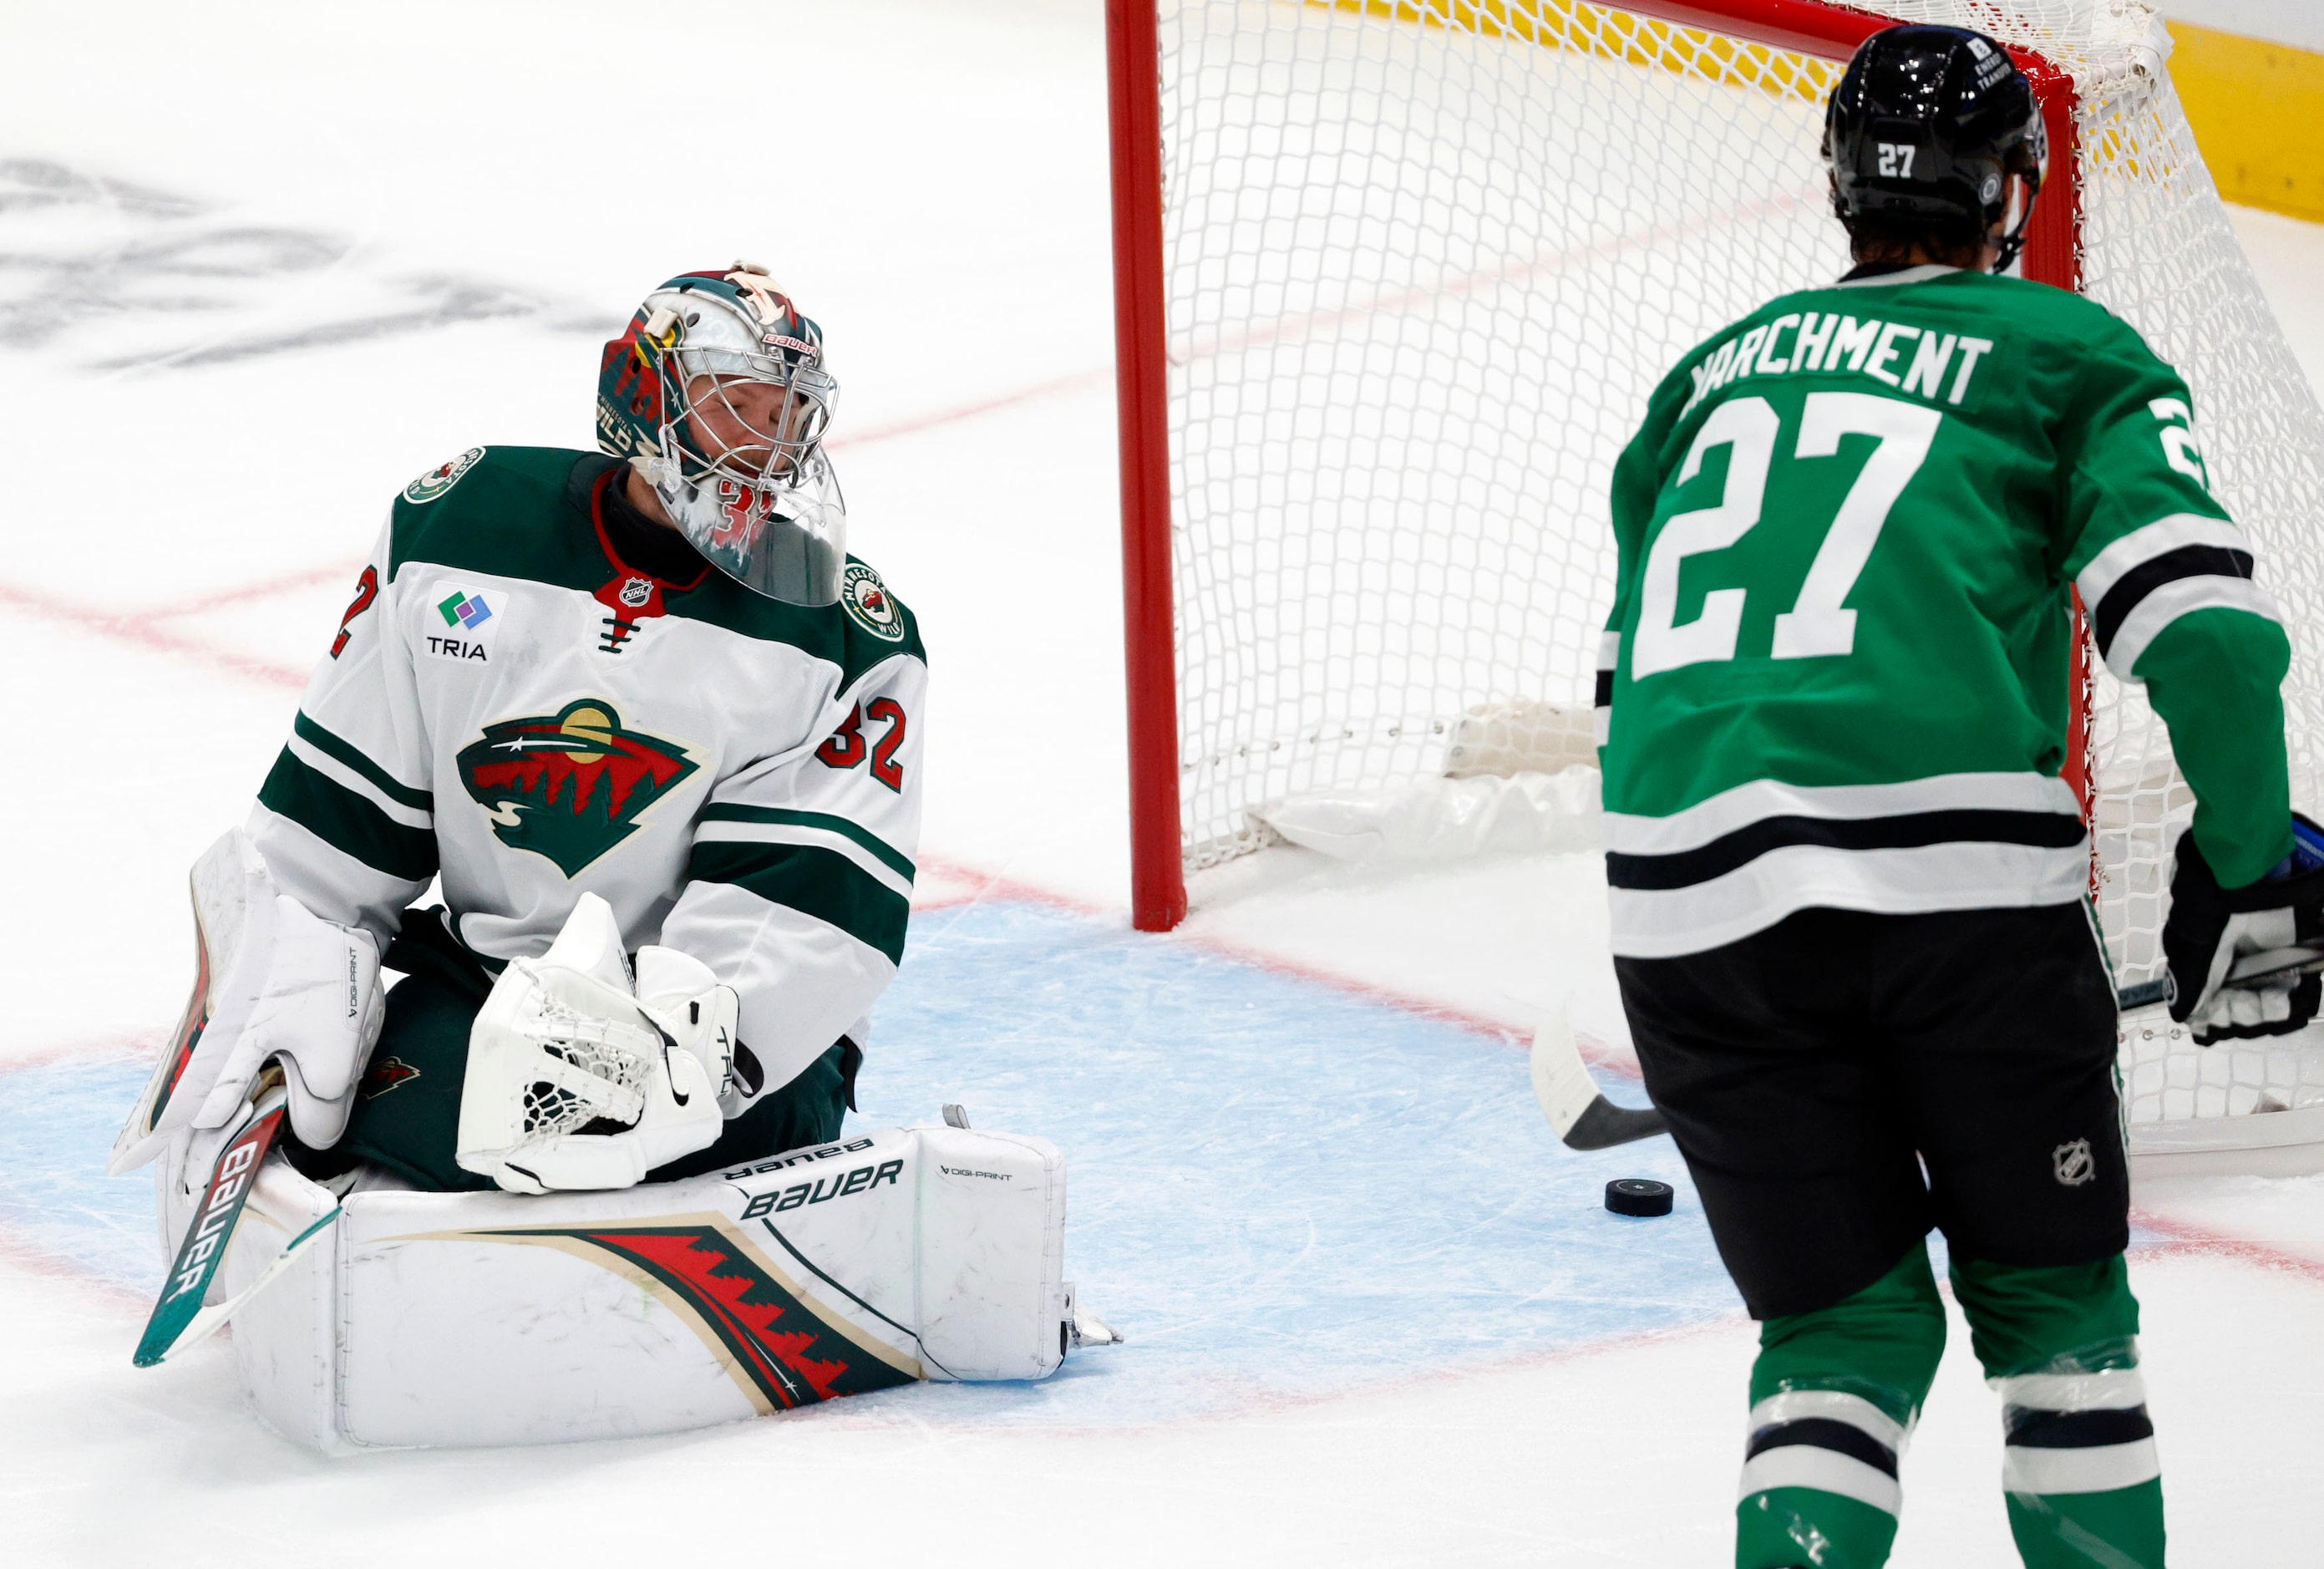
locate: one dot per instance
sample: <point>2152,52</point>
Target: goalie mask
<point>717,394</point>
<point>1927,126</point>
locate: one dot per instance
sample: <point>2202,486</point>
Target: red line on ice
<point>37,1260</point>
<point>2188,1241</point>
<point>138,631</point>
<point>1079,381</point>
<point>263,588</point>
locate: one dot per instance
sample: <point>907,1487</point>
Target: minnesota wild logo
<point>441,478</point>
<point>572,786</point>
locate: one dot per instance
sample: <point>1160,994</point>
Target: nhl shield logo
<point>870,605</point>
<point>441,478</point>
<point>2073,1164</point>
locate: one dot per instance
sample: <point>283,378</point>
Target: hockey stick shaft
<point>2250,969</point>
<point>1569,1097</point>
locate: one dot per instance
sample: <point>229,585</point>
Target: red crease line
<point>2188,1240</point>
<point>988,885</point>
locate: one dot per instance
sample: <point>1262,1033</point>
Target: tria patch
<point>387,1074</point>
<point>869,604</point>
<point>441,478</point>
<point>463,623</point>
<point>571,785</point>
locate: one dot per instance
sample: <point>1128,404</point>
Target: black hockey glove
<point>2210,928</point>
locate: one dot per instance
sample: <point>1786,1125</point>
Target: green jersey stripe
<point>347,821</point>
<point>346,752</point>
<point>813,881</point>
<point>784,816</point>
<point>331,767</point>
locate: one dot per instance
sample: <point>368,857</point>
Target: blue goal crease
<point>1275,1190</point>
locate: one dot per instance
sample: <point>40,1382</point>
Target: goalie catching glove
<point>2210,928</point>
<point>577,1078</point>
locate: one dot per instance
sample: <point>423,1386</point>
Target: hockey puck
<point>1639,1195</point>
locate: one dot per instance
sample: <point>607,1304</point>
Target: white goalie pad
<point>491,1318</point>
<point>271,981</point>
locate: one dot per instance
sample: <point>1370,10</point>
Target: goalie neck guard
<point>1925,129</point>
<point>716,392</point>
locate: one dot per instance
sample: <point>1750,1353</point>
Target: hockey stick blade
<point>1569,1097</point>
<point>1603,1124</point>
<point>205,1244</point>
<point>210,1320</point>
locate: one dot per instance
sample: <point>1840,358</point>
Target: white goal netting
<point>1424,261</point>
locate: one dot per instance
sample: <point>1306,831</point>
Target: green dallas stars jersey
<point>511,707</point>
<point>1836,670</point>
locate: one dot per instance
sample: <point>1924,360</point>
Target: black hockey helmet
<point>1925,129</point>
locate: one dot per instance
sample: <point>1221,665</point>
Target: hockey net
<point>1422,261</point>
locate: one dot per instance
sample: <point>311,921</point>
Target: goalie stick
<point>178,1321</point>
<point>2252,970</point>
<point>1569,1097</point>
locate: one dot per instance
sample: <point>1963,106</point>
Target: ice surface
<point>1277,1191</point>
<point>1375,1315</point>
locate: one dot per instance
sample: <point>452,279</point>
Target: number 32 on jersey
<point>847,747</point>
<point>1818,623</point>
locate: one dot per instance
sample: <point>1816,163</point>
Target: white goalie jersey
<point>511,707</point>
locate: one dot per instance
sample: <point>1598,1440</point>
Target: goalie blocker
<point>489,1318</point>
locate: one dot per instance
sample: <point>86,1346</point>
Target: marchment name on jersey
<point>1941,366</point>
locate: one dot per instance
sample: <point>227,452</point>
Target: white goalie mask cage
<point>742,472</point>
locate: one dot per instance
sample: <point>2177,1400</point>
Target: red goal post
<point>1807,27</point>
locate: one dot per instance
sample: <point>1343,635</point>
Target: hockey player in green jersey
<point>1848,882</point>
<point>643,695</point>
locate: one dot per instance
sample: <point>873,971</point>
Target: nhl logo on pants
<point>2071,1163</point>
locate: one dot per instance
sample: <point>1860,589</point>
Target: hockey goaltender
<point>657,739</point>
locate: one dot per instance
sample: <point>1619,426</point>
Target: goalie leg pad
<point>272,982</point>
<point>487,1318</point>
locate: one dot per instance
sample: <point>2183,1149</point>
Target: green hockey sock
<point>2061,1344</point>
<point>1833,1395</point>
